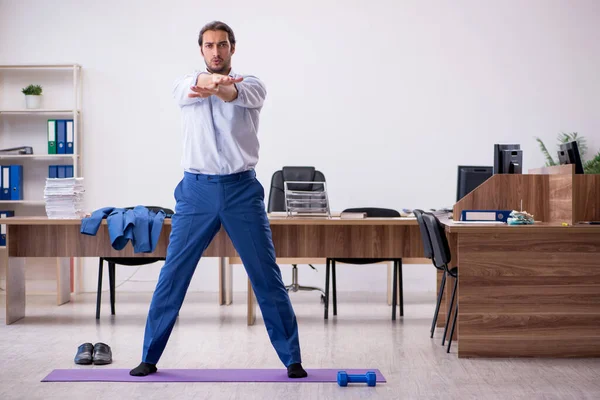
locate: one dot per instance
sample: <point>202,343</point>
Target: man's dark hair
<point>217,26</point>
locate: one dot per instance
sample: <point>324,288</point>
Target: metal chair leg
<point>401,288</point>
<point>334,287</point>
<point>439,302</point>
<point>394,290</point>
<point>450,311</point>
<point>326,311</point>
<point>99,294</point>
<point>453,325</point>
<point>111,280</point>
<point>294,285</point>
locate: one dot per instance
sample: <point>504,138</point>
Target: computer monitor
<point>569,154</point>
<point>469,177</point>
<point>508,159</point>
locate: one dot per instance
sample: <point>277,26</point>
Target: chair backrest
<point>300,174</point>
<point>439,241</point>
<point>424,234</point>
<point>374,212</point>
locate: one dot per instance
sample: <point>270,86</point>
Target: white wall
<point>385,97</point>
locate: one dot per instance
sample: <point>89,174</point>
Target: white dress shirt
<point>220,138</point>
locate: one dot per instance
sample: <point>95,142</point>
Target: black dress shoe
<point>102,354</point>
<point>84,354</point>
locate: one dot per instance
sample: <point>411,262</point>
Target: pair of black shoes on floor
<point>98,354</point>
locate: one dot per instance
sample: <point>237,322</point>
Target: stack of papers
<point>64,198</point>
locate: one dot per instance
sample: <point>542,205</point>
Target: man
<point>220,112</point>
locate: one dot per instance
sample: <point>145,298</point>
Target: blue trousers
<point>203,204</point>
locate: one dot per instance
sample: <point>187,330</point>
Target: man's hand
<point>224,80</point>
<point>209,84</point>
<point>197,91</point>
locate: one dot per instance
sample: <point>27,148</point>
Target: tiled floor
<point>211,336</point>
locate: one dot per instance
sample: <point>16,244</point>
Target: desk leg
<point>225,281</point>
<point>228,282</point>
<point>15,290</point>
<point>251,305</point>
<point>63,281</point>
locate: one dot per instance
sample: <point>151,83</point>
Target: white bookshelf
<point>26,202</point>
<point>37,156</point>
<point>40,66</point>
<point>61,85</point>
<point>39,111</point>
<point>20,126</point>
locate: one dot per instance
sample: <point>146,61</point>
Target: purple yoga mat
<point>198,375</point>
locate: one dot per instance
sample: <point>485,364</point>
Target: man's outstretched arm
<point>221,86</point>
<point>247,92</point>
<point>251,93</point>
<point>182,90</point>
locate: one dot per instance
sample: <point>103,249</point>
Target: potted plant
<point>591,166</point>
<point>33,96</point>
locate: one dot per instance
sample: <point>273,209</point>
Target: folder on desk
<point>51,136</point>
<point>61,171</point>
<point>5,192</point>
<point>485,215</point>
<point>4,214</point>
<point>61,136</point>
<point>16,182</point>
<point>68,171</point>
<point>69,137</point>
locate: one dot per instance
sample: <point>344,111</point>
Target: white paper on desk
<point>277,214</point>
<point>64,197</point>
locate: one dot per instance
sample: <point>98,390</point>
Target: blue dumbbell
<point>343,378</point>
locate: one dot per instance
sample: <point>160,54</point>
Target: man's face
<point>217,51</point>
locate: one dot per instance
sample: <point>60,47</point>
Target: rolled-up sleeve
<point>181,89</point>
<point>251,92</point>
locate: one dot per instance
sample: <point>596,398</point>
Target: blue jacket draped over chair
<point>139,225</point>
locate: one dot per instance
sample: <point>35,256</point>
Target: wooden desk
<point>534,290</point>
<point>313,238</point>
<point>531,291</point>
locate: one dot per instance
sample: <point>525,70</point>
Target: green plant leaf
<point>549,160</point>
<point>32,90</point>
<point>592,166</point>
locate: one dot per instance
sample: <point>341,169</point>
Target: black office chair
<point>442,256</point>
<point>277,203</point>
<point>429,254</point>
<point>127,261</point>
<point>371,212</point>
